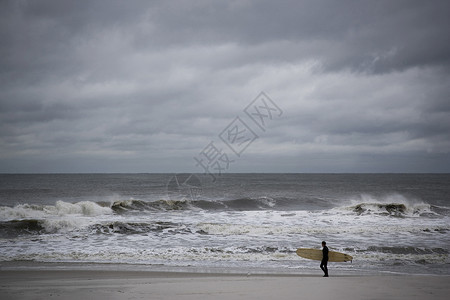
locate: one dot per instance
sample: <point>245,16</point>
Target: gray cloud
<point>144,86</point>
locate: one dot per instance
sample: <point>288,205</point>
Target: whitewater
<point>389,223</point>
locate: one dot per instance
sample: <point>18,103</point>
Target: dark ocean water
<point>388,222</point>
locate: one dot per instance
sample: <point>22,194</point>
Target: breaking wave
<point>393,209</point>
<point>107,217</point>
<point>393,205</point>
<point>36,219</point>
<point>19,227</point>
<point>242,204</point>
<point>61,208</point>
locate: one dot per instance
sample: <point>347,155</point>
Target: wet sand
<point>82,284</point>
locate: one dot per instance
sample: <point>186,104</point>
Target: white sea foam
<point>21,211</point>
<point>61,208</point>
<point>66,224</point>
<point>86,208</point>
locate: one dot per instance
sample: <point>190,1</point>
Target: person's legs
<point>323,266</point>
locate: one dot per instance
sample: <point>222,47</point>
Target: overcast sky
<point>146,86</point>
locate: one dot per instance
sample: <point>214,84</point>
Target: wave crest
<point>61,208</point>
<point>392,205</point>
<point>241,204</point>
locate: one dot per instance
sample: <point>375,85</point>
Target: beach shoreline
<point>174,269</point>
<point>120,284</point>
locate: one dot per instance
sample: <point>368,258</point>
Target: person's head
<point>324,244</point>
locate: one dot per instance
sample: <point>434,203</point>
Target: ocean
<point>389,223</point>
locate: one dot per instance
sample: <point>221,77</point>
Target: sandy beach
<point>79,284</point>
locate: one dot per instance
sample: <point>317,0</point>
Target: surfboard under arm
<point>316,254</point>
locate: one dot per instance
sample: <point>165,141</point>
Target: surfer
<point>324,262</point>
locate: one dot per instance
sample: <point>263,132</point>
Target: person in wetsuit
<point>324,262</point>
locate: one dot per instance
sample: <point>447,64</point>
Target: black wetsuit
<point>323,264</point>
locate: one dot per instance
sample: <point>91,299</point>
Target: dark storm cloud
<point>374,36</point>
<point>145,85</point>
